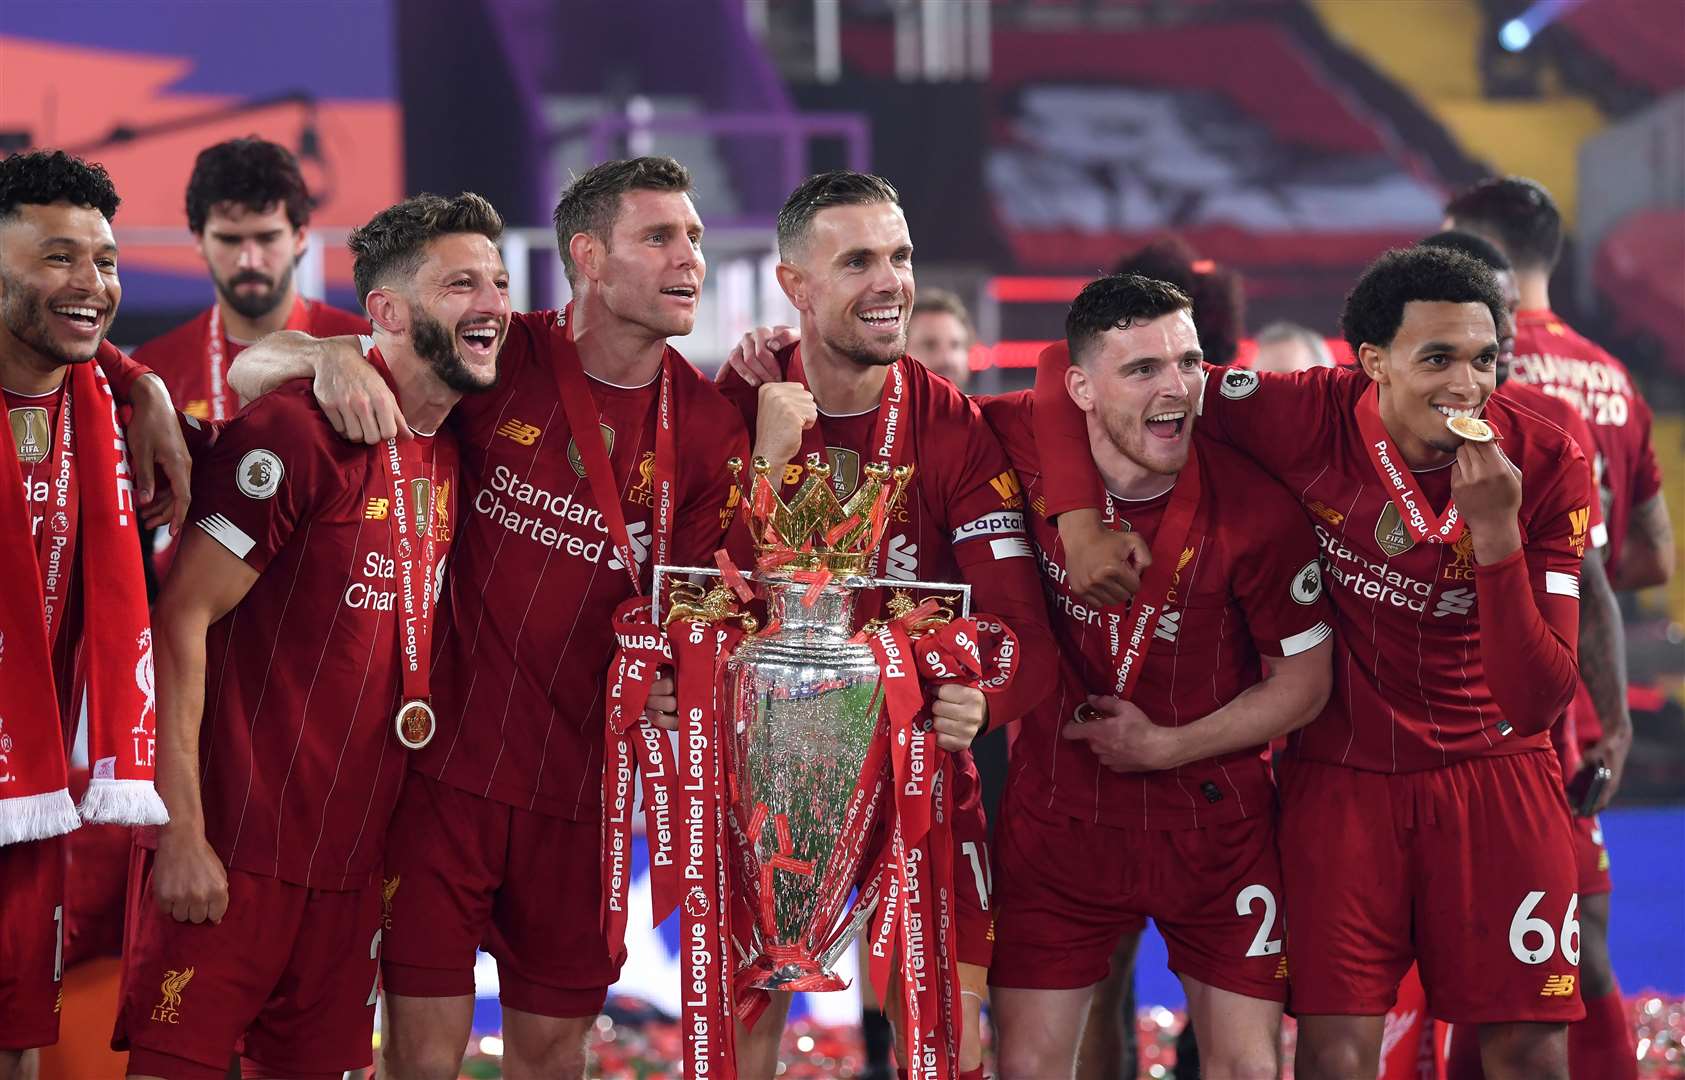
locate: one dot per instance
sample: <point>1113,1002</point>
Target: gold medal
<point>416,724</point>
<point>1471,428</point>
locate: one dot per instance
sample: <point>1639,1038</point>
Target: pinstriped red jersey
<point>300,765</point>
<point>522,654</point>
<point>1247,586</point>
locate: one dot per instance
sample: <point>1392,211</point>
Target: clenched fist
<point>783,410</point>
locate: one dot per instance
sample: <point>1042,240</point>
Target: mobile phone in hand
<point>1586,788</point>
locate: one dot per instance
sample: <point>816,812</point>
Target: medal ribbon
<point>575,392</point>
<point>415,556</point>
<point>892,421</point>
<point>1399,482</point>
<point>56,572</point>
<point>1130,640</point>
<point>222,403</point>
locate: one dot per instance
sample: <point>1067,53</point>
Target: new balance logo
<point>1558,986</point>
<point>377,509</point>
<point>1454,602</point>
<point>520,433</point>
<point>1169,624</point>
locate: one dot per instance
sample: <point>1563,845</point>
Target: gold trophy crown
<point>815,530</point>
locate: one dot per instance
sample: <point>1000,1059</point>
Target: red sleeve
<point>1277,579</point>
<point>705,508</point>
<point>1530,605</point>
<point>985,510</point>
<point>120,371</point>
<point>1062,435</point>
<point>268,470</point>
<point>1647,471</point>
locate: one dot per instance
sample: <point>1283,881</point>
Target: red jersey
<point>194,365</point>
<point>1551,356</point>
<point>960,520</point>
<point>523,652</point>
<point>299,761</point>
<point>1410,674</point>
<point>1565,416</point>
<point>1247,586</point>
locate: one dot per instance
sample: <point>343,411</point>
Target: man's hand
<point>662,708</point>
<point>958,714</point>
<point>188,880</point>
<point>356,400</point>
<point>1611,750</point>
<point>1486,486</point>
<point>752,358</point>
<point>783,411</point>
<point>1104,566</point>
<point>1122,737</point>
<point>155,445</point>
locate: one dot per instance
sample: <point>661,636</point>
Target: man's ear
<point>587,255</point>
<point>1080,386</point>
<point>794,283</point>
<point>388,310</point>
<point>1373,360</point>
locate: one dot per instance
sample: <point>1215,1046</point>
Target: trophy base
<point>795,974</point>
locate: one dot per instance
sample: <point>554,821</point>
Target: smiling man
<point>284,691</point>
<point>1422,816</point>
<point>1139,789</point>
<point>850,395</point>
<point>600,454</point>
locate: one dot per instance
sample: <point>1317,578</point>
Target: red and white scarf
<point>114,671</point>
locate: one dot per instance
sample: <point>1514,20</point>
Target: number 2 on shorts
<point>374,954</point>
<point>1262,943</point>
<point>980,870</point>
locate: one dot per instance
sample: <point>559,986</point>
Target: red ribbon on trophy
<point>636,748</point>
<point>699,650</point>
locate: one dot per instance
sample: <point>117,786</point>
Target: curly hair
<point>1117,302</point>
<point>49,176</point>
<point>821,191</point>
<point>249,172</point>
<point>393,244</point>
<point>1515,213</point>
<point>1375,306</point>
<point>1219,303</point>
<point>592,202</point>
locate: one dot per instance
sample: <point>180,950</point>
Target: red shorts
<point>464,872</point>
<point>1071,889</point>
<point>1591,857</point>
<point>287,978</point>
<point>974,922</point>
<point>31,943</point>
<point>1465,869</point>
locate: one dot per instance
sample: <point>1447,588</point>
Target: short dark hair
<point>1118,302</point>
<point>41,177</point>
<point>933,301</point>
<point>1478,248</point>
<point>394,242</point>
<point>1517,214</point>
<point>249,172</point>
<point>1375,306</point>
<point>592,202</point>
<point>821,191</point>
<point>1219,310</point>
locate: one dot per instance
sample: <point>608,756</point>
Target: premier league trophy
<point>802,704</point>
